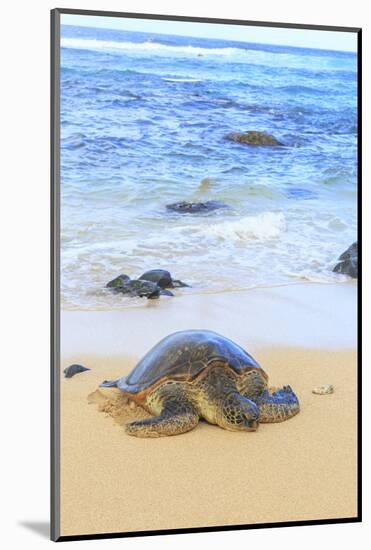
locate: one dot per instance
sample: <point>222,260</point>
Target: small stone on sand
<point>74,369</point>
<point>323,390</point>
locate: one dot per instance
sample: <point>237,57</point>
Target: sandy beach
<point>303,335</point>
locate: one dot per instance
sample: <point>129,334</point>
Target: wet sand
<point>305,315</point>
<point>302,469</point>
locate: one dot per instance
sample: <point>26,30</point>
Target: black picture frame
<point>55,275</point>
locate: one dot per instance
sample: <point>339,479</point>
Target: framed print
<point>205,278</point>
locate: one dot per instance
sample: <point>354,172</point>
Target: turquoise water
<point>143,122</point>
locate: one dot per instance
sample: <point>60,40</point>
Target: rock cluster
<point>152,284</point>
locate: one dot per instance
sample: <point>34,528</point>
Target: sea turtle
<point>162,278</point>
<point>195,374</point>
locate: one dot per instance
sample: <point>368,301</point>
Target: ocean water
<point>143,123</point>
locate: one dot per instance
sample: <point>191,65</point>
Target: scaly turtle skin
<point>196,374</point>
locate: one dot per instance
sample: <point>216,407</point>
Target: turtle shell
<point>183,356</point>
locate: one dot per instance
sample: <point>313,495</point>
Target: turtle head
<point>238,413</point>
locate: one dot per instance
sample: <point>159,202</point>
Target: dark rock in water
<point>118,282</point>
<point>74,369</point>
<point>350,253</point>
<point>253,138</point>
<point>162,278</point>
<point>347,267</point>
<point>185,207</point>
<point>348,264</point>
<point>152,284</point>
<point>142,289</point>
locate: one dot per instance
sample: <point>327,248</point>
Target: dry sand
<point>302,469</point>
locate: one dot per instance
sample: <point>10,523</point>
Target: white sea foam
<point>153,47</point>
<point>268,225</point>
<point>182,80</point>
<point>241,55</point>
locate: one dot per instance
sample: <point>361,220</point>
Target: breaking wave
<point>267,225</point>
<point>248,55</point>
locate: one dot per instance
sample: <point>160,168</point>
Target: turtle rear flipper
<point>177,417</point>
<point>278,406</point>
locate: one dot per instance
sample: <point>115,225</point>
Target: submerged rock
<point>185,207</point>
<point>253,138</point>
<point>162,278</point>
<point>74,369</point>
<point>348,264</point>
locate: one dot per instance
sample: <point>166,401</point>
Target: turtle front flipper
<point>278,406</point>
<point>176,418</point>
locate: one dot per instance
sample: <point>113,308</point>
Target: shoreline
<point>308,315</point>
